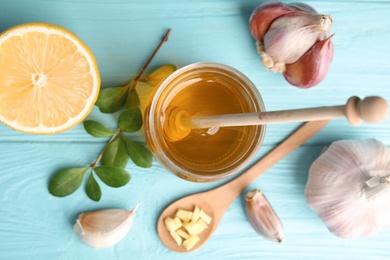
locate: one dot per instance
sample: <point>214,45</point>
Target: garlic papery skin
<point>284,33</point>
<point>312,67</point>
<point>104,228</point>
<point>262,216</point>
<point>292,35</point>
<point>348,187</point>
<point>264,15</point>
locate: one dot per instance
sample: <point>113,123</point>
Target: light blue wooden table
<point>122,34</point>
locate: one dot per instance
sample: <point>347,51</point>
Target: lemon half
<point>49,79</point>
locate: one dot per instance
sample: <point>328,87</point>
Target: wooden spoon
<point>215,202</point>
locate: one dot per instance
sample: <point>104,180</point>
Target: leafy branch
<point>110,165</point>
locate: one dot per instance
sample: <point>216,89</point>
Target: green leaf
<point>132,100</point>
<point>130,120</point>
<point>96,129</point>
<point>160,74</point>
<point>139,154</point>
<point>111,100</point>
<point>113,177</point>
<point>67,181</point>
<point>93,189</point>
<point>115,154</point>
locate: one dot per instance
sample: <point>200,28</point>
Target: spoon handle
<point>370,110</point>
<point>227,193</point>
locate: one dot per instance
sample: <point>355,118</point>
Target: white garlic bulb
<point>104,228</point>
<point>349,187</point>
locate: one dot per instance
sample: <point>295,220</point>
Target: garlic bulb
<point>262,216</point>
<point>349,187</point>
<point>293,39</point>
<point>104,228</point>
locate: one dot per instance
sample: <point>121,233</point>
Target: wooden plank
<point>122,34</point>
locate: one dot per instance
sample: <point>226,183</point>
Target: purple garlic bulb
<point>293,39</point>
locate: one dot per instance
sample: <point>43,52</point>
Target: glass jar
<point>204,155</point>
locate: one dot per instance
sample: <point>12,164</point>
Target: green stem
<point>164,39</point>
<point>93,165</point>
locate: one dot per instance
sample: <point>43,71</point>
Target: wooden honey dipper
<point>371,110</point>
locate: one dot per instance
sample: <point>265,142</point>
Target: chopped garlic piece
<point>176,237</point>
<point>177,222</point>
<point>184,215</point>
<point>185,223</point>
<point>170,224</point>
<point>198,227</point>
<point>206,218</point>
<point>192,227</point>
<point>195,214</point>
<point>190,242</point>
<point>183,234</point>
<point>201,225</point>
<point>197,230</point>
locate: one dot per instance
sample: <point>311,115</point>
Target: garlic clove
<point>264,15</point>
<point>104,228</point>
<point>312,67</point>
<point>263,217</point>
<point>343,187</point>
<point>292,35</point>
